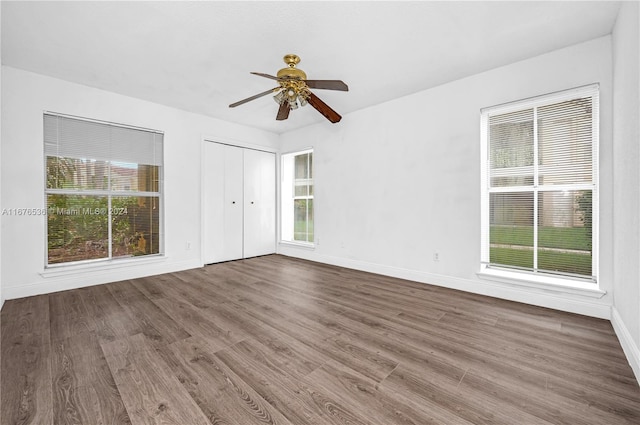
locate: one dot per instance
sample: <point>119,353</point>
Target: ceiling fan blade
<point>327,84</point>
<point>271,77</point>
<point>249,99</point>
<point>323,108</point>
<point>283,111</point>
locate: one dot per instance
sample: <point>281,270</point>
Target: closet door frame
<point>238,144</point>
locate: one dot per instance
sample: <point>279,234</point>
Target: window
<point>103,190</point>
<point>297,197</point>
<point>539,200</point>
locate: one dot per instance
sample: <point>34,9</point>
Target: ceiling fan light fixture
<point>303,96</point>
<point>279,97</point>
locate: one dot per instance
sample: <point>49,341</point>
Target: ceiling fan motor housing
<point>291,71</point>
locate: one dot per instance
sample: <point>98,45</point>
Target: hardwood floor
<point>275,340</point>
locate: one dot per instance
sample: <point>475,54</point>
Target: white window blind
<point>103,190</point>
<point>77,138</point>
<point>541,184</point>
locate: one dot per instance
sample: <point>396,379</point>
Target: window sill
<point>303,245</point>
<point>99,265</point>
<point>549,283</point>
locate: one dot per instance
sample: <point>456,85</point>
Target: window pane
<point>301,168</point>
<point>135,223</point>
<point>565,142</point>
<point>302,177</point>
<point>134,177</point>
<point>564,231</point>
<point>301,188</point>
<point>72,173</point>
<point>77,228</point>
<point>303,220</point>
<point>511,149</point>
<point>511,231</point>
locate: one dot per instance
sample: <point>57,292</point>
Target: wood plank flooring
<point>276,340</point>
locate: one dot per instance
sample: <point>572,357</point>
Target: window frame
<point>109,194</point>
<point>293,198</point>
<point>538,278</point>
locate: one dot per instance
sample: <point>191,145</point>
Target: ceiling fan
<point>293,90</point>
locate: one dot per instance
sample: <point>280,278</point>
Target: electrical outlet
<point>188,246</point>
<point>436,256</point>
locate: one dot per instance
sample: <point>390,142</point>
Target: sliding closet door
<point>259,203</point>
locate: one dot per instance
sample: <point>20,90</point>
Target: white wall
<point>626,178</point>
<point>1,294</point>
<point>396,182</point>
<point>24,98</point>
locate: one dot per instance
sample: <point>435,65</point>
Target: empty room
<point>310,213</point>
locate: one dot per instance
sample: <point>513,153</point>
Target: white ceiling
<point>197,56</point>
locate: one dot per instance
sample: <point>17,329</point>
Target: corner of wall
<point>630,348</point>
<point>625,312</point>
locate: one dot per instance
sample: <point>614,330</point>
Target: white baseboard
<point>629,346</point>
<point>548,298</point>
<point>80,280</point>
